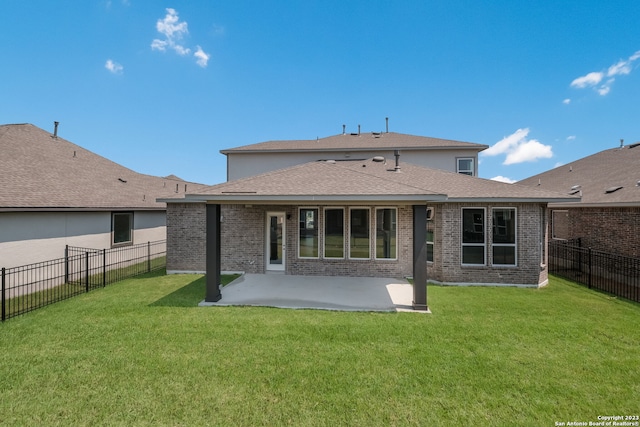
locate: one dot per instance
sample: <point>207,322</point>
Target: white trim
<point>484,232</point>
<point>267,247</point>
<point>397,228</point>
<point>464,172</point>
<point>368,210</point>
<point>505,245</point>
<point>317,225</point>
<point>324,232</point>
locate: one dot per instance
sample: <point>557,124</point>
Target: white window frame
<point>431,220</point>
<point>362,208</point>
<point>470,172</point>
<point>514,245</point>
<point>318,223</point>
<point>375,237</point>
<point>484,230</point>
<point>324,232</point>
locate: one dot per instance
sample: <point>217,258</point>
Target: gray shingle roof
<point>38,171</point>
<point>369,180</point>
<point>364,141</point>
<point>594,175</point>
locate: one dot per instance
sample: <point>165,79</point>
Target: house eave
<point>506,200</point>
<point>346,149</point>
<point>79,209</point>
<point>595,205</point>
<point>289,199</point>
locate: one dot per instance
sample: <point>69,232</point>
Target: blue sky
<point>161,87</point>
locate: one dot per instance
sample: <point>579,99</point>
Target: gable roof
<point>592,176</point>
<point>40,172</point>
<point>367,181</point>
<point>358,142</point>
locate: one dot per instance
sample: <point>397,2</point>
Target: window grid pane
<point>504,236</point>
<point>122,227</point>
<point>359,234</point>
<point>386,233</point>
<point>334,233</point>
<point>308,243</point>
<point>473,236</point>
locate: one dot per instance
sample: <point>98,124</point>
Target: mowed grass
<point>140,352</point>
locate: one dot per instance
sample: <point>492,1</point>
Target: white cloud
<point>173,30</point>
<point>113,67</point>
<point>501,178</point>
<point>590,79</point>
<point>566,101</point>
<point>202,57</point>
<point>593,79</point>
<point>519,149</point>
<point>571,137</point>
<point>528,151</point>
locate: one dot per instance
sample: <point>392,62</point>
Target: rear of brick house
<point>476,231</point>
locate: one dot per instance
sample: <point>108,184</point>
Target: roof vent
<point>576,187</point>
<point>331,162</point>
<point>122,180</point>
<point>344,129</point>
<point>613,189</point>
<point>378,159</point>
<point>55,130</point>
<point>634,145</point>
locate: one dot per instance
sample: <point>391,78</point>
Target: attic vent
<point>572,191</point>
<point>634,145</point>
<point>122,180</point>
<point>576,187</point>
<point>378,159</point>
<point>612,189</point>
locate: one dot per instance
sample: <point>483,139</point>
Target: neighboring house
<point>55,193</point>
<point>437,153</point>
<point>380,216</point>
<point>608,216</point>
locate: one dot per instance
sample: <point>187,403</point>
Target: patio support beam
<point>213,254</point>
<point>420,257</point>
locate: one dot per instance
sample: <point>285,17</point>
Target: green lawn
<point>140,352</point>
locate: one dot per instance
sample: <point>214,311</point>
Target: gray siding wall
<point>241,165</point>
<point>30,237</point>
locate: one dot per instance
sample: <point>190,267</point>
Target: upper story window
<point>465,166</point>
<point>122,228</point>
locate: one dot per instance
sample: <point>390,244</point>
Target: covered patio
<point>318,292</point>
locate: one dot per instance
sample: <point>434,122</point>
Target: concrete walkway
<point>318,292</point>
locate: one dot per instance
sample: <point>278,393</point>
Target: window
<point>504,236</point>
<point>334,233</point>
<point>473,236</point>
<point>465,166</point>
<point>359,246</point>
<point>121,226</point>
<point>430,234</point>
<point>386,233</point>
<point>308,233</point>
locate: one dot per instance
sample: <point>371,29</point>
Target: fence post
<point>590,268</point>
<point>148,256</point>
<point>104,268</point>
<point>4,313</point>
<point>86,266</point>
<point>66,264</point>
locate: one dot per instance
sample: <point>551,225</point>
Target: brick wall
<point>607,229</point>
<point>243,244</point>
<point>530,269</point>
<point>186,236</point>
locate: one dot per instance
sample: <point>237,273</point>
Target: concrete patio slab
<point>318,292</point>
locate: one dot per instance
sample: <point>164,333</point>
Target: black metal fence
<point>29,287</point>
<point>615,274</point>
